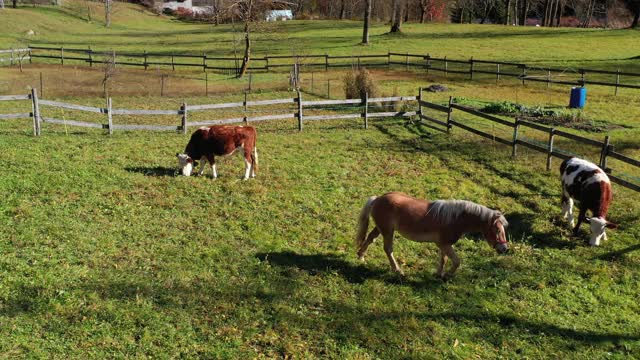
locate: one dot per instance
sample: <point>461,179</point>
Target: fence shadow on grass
<point>618,254</point>
<point>156,171</point>
<point>354,274</point>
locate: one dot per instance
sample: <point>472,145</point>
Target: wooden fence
<point>445,123</point>
<point>470,67</point>
<point>605,148</point>
<point>185,110</point>
<point>15,56</point>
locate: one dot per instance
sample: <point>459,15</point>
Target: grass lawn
<point>135,29</point>
<point>107,253</point>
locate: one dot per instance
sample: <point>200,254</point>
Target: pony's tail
<point>363,222</point>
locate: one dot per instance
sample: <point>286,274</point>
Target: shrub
<point>358,83</point>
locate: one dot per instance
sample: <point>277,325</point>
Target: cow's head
<point>185,162</point>
<point>598,226</point>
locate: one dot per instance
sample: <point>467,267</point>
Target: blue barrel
<point>578,97</point>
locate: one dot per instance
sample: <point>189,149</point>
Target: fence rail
<point>444,124</point>
<point>520,71</point>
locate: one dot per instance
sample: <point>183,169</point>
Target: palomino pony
<point>442,222</point>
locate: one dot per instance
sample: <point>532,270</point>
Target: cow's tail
<point>363,223</point>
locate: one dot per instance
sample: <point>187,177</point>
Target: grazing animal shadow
<point>618,254</point>
<point>354,274</point>
<point>521,225</point>
<point>153,171</point>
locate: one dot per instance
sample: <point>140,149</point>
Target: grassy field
<point>106,252</point>
<point>136,30</point>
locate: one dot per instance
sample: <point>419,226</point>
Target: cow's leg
<point>581,218</point>
<point>388,249</point>
<point>567,208</point>
<point>212,162</point>
<point>247,164</point>
<point>363,248</point>
<point>254,162</point>
<point>203,161</point>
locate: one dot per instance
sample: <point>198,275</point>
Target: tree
<point>251,12</point>
<point>396,23</point>
<point>107,13</point>
<point>367,20</point>
<point>634,7</point>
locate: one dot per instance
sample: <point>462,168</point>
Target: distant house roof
<point>275,15</point>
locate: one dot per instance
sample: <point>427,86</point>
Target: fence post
<point>388,60</point>
<point>184,117</point>
<point>326,62</point>
<point>62,55</point>
<point>604,152</point>
<point>581,77</point>
<point>90,53</point>
<point>548,77</point>
<point>471,68</point>
<point>245,107</point>
<point>35,107</point>
<point>366,110</point>
<point>173,63</point>
<point>514,149</point>
<point>524,73</point>
<point>449,125</point>
<point>446,67</point>
<point>617,81</point>
<point>428,62</point>
<point>552,132</point>
<point>498,74</point>
<point>146,65</point>
<point>299,114</point>
<point>420,101</point>
<point>406,62</point>
<point>109,116</point>
<point>204,61</point>
<point>30,57</point>
<point>11,58</point>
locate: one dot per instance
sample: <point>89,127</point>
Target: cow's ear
<point>611,225</point>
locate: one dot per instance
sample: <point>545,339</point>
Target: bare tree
<point>396,24</point>
<point>367,20</point>
<point>109,71</point>
<point>251,12</point>
<point>107,13</point>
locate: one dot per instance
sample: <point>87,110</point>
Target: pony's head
<point>598,226</point>
<point>185,163</point>
<point>495,234</point>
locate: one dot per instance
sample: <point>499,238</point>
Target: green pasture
<point>107,253</point>
<point>135,29</point>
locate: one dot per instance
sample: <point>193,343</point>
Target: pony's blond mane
<point>448,211</point>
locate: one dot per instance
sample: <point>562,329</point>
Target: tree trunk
<point>423,10</point>
<point>507,20</point>
<point>367,20</point>
<point>107,13</point>
<point>15,4</point>
<point>406,12</point>
<point>396,26</point>
<point>342,10</point>
<point>636,15</point>
<point>247,50</point>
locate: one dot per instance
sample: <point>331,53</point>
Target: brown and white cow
<point>586,183</point>
<point>220,140</point>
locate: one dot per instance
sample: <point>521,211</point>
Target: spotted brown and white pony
<point>589,185</point>
<point>220,140</point>
<point>442,222</point>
